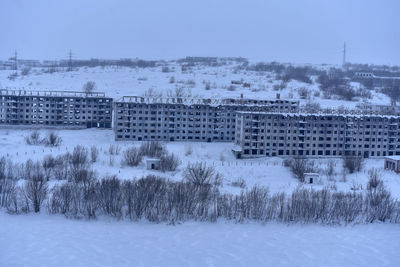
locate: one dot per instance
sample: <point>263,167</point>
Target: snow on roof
<point>21,92</point>
<point>393,157</point>
<point>203,101</point>
<point>237,148</point>
<point>354,114</point>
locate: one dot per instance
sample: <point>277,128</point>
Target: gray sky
<point>301,31</point>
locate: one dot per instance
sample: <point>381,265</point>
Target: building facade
<point>55,109</point>
<point>315,135</point>
<point>179,119</point>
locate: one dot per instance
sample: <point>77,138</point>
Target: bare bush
<point>375,179</point>
<point>188,149</point>
<point>132,157</point>
<point>299,166</point>
<point>25,71</point>
<point>239,183</point>
<point>52,139</point>
<point>199,174</point>
<point>94,154</point>
<point>352,163</point>
<point>114,149</point>
<point>33,138</point>
<point>152,149</point>
<point>89,87</point>
<point>36,191</point>
<point>169,162</point>
<point>110,196</point>
<point>48,164</point>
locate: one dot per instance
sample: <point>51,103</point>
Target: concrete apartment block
<point>295,134</point>
<point>55,109</point>
<point>180,119</point>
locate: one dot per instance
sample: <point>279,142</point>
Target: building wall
<point>270,134</point>
<point>139,119</point>
<point>55,109</point>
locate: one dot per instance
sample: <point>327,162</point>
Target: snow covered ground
<point>122,81</point>
<point>40,240</point>
<point>261,171</point>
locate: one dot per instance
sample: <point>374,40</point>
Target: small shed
<point>392,163</point>
<point>153,164</point>
<point>237,151</point>
<point>310,177</point>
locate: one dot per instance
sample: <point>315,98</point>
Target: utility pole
<point>344,55</point>
<point>70,61</point>
<point>14,58</point>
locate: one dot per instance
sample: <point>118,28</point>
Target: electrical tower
<point>344,55</point>
<point>69,61</point>
<point>14,58</point>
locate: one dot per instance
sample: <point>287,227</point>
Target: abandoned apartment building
<point>55,109</point>
<point>181,119</point>
<point>272,134</point>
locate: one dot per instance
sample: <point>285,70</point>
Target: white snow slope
<point>39,240</point>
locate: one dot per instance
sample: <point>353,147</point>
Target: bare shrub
<point>188,149</point>
<point>152,149</point>
<point>132,156</point>
<point>48,164</point>
<point>7,188</point>
<point>61,168</point>
<point>352,163</point>
<point>304,93</point>
<point>374,179</point>
<point>200,174</point>
<point>25,71</point>
<point>300,165</point>
<point>79,157</point>
<point>52,139</point>
<point>114,149</point>
<point>33,138</point>
<point>36,191</point>
<point>239,183</point>
<point>110,196</point>
<point>330,169</point>
<point>89,87</point>
<point>94,154</point>
<point>379,202</point>
<point>169,162</point>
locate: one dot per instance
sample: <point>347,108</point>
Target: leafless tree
<point>353,163</point>
<point>200,174</point>
<point>89,87</point>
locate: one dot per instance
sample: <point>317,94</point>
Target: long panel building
<point>272,134</point>
<point>180,119</point>
<point>55,109</point>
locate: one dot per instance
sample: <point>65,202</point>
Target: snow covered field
<point>268,172</point>
<point>40,240</point>
<point>122,81</point>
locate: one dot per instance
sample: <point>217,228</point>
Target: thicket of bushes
<point>156,199</point>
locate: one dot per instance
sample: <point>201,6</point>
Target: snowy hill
<point>230,80</point>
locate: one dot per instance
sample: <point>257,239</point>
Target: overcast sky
<point>301,31</point>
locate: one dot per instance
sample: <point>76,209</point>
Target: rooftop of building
<point>44,93</point>
<point>351,113</point>
<point>203,101</point>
